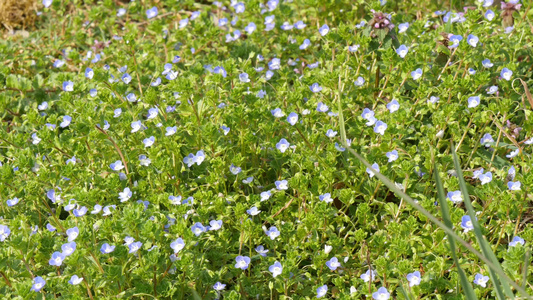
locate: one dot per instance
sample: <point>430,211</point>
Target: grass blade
<point>483,244</point>
<point>404,293</point>
<point>467,287</point>
<point>524,271</point>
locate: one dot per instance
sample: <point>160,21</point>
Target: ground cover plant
<point>267,150</point>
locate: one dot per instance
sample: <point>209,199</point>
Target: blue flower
<point>333,263</point>
<point>219,286</point>
<point>80,212</point>
<point>326,198</point>
<point>89,73</point>
<point>321,291</point>
<point>12,202</point>
<point>481,280</point>
<point>315,88</point>
<point>134,247</point>
<point>282,184</point>
<point>330,133</point>
<point>75,280</point>
<point>250,28</point>
<point>277,112</point>
<point>514,185</point>
<point>215,225</point>
<point>414,278</point>
<point>225,129</point>
<point>148,142</point>
<point>222,22</point>
<point>68,86</point>
<point>38,282</point>
<point>243,77</point>
<point>57,259</point>
<point>47,4</point>
<point>416,74</point>
<point>402,27</point>
<point>455,196</point>
<point>380,127</point>
<point>473,101</point>
<point>516,241</point>
<point>381,294</point>
<point>116,166</point>
<point>272,232</point>
<point>106,248</point>
<point>392,155</point>
<point>370,172</point>
<point>489,15</point>
<point>220,70</point>
<point>305,44</point>
<point>486,63</point>
<point>4,232</point>
<point>177,245</point>
<point>359,81</point>
<point>292,118</point>
<point>323,30</point>
<point>492,90</point>
<point>282,145</point>
<point>369,276</point>
<point>125,195</point>
<point>299,25</point>
<point>152,113</point>
<point>466,223</point>
<point>393,106</point>
<point>253,211</point>
<point>242,262</point>
<point>66,121</point>
<point>511,173</point>
<point>198,228</point>
<point>152,12</point>
<point>506,74</point>
<point>402,51</point>
<point>275,269</point>
<point>353,48</point>
<point>261,250</point>
<point>68,248</point>
<point>321,107</point>
<point>265,195</point>
<point>472,40</point>
<point>234,169</point>
<point>50,227</point>
<point>72,233</point>
<point>274,64</point>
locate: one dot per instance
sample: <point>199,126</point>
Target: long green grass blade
<point>467,287</point>
<point>432,218</point>
<point>483,244</point>
<point>524,271</point>
<point>404,293</point>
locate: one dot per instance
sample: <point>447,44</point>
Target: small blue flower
<point>359,81</point>
<point>116,166</point>
<point>125,195</point>
<point>106,248</point>
<point>148,142</point>
<point>292,118</point>
<point>514,185</point>
<point>516,241</point>
<point>4,232</point>
<point>380,127</point>
<point>282,184</point>
<point>272,232</point>
<point>321,107</point>
<point>261,250</point>
<point>315,88</point>
<point>66,121</point>
<point>277,112</point>
<point>253,211</point>
<point>414,278</point>
<point>225,129</point>
<point>152,12</point>
<point>222,22</point>
<point>50,227</point>
<point>402,51</point>
<point>323,30</point>
<point>392,155</point>
<point>333,263</point>
<point>198,228</point>
<point>506,74</point>
<point>330,133</point>
<point>455,196</point>
<point>68,248</point>
<point>276,269</point>
<point>326,198</point>
<point>370,172</point>
<point>306,43</point>
<point>486,63</point>
<point>393,106</point>
<point>177,245</point>
<point>402,27</point>
<point>242,262</point>
<point>75,280</point>
<point>72,233</point>
<point>243,77</point>
<point>80,211</point>
<point>416,74</point>
<point>12,202</point>
<point>89,73</point>
<point>274,64</point>
<point>250,28</point>
<point>234,169</point>
<point>283,145</point>
<point>369,276</point>
<point>472,40</point>
<point>215,225</point>
<point>265,195</point>
<point>481,280</point>
<point>466,223</point>
<point>38,282</point>
<point>134,247</point>
<point>381,294</point>
<point>492,90</point>
<point>152,113</point>
<point>57,259</point>
<point>68,86</point>
<point>489,15</point>
<point>219,286</point>
<point>473,101</point>
<point>321,291</point>
<point>47,4</point>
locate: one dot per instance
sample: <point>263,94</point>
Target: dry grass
<point>18,14</point>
